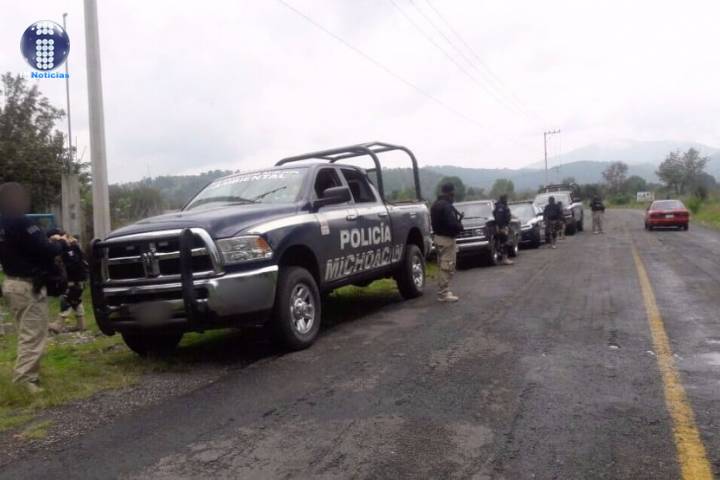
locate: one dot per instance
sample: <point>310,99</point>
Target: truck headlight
<point>243,249</point>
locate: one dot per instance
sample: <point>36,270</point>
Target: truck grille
<point>155,256</point>
<point>472,232</point>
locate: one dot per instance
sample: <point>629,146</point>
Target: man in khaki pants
<point>446,225</point>
<point>26,255</point>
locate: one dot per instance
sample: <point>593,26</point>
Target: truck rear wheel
<point>410,276</point>
<point>297,308</point>
<point>149,343</point>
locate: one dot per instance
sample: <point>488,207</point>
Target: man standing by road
<point>27,256</point>
<point>598,211</point>
<point>502,216</point>
<point>553,216</point>
<point>446,224</point>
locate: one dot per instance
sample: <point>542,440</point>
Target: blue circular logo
<point>45,45</point>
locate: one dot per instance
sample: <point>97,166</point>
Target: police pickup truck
<point>260,247</point>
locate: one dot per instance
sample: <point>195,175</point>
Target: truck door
<point>373,245</point>
<point>336,221</point>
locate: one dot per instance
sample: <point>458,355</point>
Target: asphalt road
<point>543,370</point>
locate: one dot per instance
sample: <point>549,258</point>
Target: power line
<point>449,56</point>
<point>379,64</point>
<point>479,64</point>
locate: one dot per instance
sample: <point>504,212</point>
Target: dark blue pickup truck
<point>259,247</point>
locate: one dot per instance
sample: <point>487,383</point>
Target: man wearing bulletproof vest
<point>28,258</point>
<point>503,216</point>
<point>446,224</point>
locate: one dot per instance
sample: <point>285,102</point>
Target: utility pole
<point>67,96</point>
<point>101,201</point>
<point>545,135</point>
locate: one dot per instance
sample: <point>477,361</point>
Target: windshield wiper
<point>226,199</point>
<point>269,192</point>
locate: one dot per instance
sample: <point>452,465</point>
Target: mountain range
<point>584,164</point>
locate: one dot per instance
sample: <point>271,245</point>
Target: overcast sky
<point>192,86</point>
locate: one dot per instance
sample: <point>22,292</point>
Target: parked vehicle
<point>572,206</point>
<point>532,223</point>
<point>259,247</point>
<point>478,237</point>
<point>667,213</point>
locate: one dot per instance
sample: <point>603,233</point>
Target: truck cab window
<point>326,178</point>
<point>359,187</point>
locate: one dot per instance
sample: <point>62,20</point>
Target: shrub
<point>694,204</point>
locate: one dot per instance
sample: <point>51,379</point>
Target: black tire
<point>686,227</point>
<point>149,343</point>
<point>570,229</point>
<point>410,276</point>
<point>298,309</point>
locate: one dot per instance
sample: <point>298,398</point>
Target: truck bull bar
<point>194,310</point>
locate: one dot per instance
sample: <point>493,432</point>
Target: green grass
<point>73,370</point>
<point>708,214</point>
<point>36,431</point>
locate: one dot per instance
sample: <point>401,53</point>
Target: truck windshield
<point>271,186</point>
<point>543,199</point>
<point>475,210</point>
<point>524,211</point>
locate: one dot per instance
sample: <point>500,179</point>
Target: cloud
<point>192,86</point>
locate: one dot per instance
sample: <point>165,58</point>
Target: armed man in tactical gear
<point>28,257</point>
<point>502,216</point>
<point>446,224</point>
<point>598,212</point>
<point>553,215</point>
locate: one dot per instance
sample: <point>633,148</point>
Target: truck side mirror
<point>333,196</point>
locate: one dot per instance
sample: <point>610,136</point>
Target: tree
<point>634,184</point>
<point>682,171</point>
<point>459,187</point>
<point>568,181</point>
<point>614,176</point>
<point>502,186</point>
<point>474,193</point>
<point>32,151</point>
<point>129,203</point>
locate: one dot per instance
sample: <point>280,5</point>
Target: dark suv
<point>478,235</point>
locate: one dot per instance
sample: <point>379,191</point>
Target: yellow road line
<point>693,460</point>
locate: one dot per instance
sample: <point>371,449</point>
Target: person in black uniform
<point>553,215</point>
<point>28,258</point>
<point>446,224</point>
<point>598,211</point>
<point>502,216</point>
<point>76,269</point>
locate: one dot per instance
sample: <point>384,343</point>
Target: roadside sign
<point>645,196</point>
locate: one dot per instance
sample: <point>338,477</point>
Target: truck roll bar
<point>371,149</point>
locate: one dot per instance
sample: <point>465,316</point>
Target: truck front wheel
<point>149,343</point>
<point>410,276</point>
<point>297,308</point>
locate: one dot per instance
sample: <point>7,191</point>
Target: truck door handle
<point>351,217</point>
<point>382,214</point>
<point>413,215</point>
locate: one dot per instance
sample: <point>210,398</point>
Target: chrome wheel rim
<point>302,308</point>
<point>418,273</point>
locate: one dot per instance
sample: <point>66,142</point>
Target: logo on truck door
<point>381,253</point>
